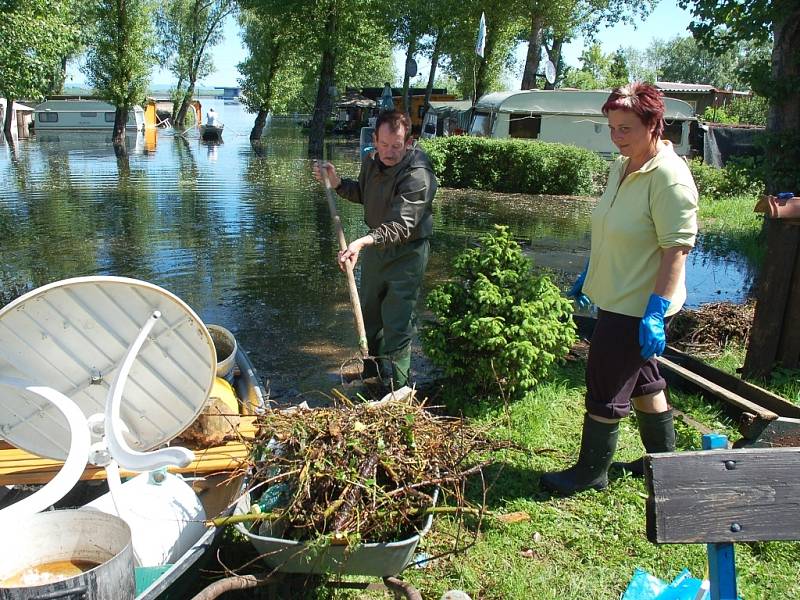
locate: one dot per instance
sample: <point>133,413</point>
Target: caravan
<point>83,114</point>
<point>567,117</point>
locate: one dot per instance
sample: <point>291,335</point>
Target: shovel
<point>355,303</point>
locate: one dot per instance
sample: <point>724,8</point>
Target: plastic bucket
<point>226,347</point>
<point>67,554</point>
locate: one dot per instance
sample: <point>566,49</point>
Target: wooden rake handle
<point>355,302</point>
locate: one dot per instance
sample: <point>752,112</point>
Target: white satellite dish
<point>550,72</point>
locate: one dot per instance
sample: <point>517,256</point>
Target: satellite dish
<point>411,67</point>
<point>550,72</point>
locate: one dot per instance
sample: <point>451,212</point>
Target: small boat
<point>129,367</point>
<point>211,133</point>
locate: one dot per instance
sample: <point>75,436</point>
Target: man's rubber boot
<point>657,431</point>
<point>598,443</point>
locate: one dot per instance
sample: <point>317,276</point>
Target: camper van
<point>83,114</point>
<point>567,117</point>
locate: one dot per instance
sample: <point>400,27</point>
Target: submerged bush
<point>499,328</point>
<point>516,166</point>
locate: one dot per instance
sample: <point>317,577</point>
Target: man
<point>396,185</point>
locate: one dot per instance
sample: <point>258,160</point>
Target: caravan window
<point>524,126</point>
<point>110,117</point>
<point>48,117</point>
<point>481,125</point>
<point>673,131</point>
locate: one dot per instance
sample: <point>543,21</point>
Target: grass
<point>730,225</point>
<point>584,547</point>
<point>784,382</point>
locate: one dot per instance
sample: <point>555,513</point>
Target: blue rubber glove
<point>652,337</point>
<point>784,195</point>
<point>576,291</point>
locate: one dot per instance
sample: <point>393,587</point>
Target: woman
<point>643,228</point>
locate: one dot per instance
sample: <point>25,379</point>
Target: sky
<point>667,21</point>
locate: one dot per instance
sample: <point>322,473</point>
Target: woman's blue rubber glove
<point>576,291</point>
<point>652,337</point>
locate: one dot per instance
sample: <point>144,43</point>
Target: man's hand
<point>333,177</point>
<point>350,255</point>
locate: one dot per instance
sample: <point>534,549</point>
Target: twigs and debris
<point>361,472</point>
<point>710,328</point>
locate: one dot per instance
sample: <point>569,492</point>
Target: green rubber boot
<point>598,443</point>
<point>657,431</point>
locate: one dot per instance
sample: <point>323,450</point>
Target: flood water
<point>244,236</point>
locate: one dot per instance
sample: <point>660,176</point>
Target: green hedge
<point>516,166</point>
<point>740,177</point>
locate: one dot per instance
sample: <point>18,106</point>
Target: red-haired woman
<point>643,228</point>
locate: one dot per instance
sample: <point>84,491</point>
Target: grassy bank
<point>730,225</point>
<point>586,546</point>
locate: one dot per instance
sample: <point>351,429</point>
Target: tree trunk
<point>180,118</point>
<point>534,53</point>
<point>555,58</point>
<point>774,338</point>
<point>412,49</point>
<point>322,106</point>
<point>8,115</point>
<point>432,74</point>
<point>258,126</point>
<point>120,120</point>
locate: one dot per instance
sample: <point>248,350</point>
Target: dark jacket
<point>397,200</point>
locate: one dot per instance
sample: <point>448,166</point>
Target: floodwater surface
<point>242,233</point>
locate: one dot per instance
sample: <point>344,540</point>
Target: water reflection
<point>242,233</point>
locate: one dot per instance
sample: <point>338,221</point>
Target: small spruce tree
<point>498,328</point>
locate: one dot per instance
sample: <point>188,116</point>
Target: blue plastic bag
<point>644,586</point>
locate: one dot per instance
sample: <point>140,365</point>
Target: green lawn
<point>584,547</point>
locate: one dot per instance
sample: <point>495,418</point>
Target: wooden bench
<point>719,497</point>
<point>19,467</point>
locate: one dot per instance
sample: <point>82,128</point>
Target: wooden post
<point>775,336</point>
<point>721,556</point>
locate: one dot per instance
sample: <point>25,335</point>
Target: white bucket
<point>226,347</point>
<point>165,518</point>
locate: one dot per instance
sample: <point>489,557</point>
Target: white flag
<point>480,44</point>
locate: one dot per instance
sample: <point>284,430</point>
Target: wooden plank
<point>19,467</point>
<point>747,390</point>
<point>723,496</point>
<point>717,390</point>
<point>783,242</point>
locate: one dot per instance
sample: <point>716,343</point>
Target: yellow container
<point>224,391</point>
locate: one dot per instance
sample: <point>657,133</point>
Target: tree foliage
<point>119,62</point>
<point>499,328</point>
<point>187,29</point>
<point>34,34</point>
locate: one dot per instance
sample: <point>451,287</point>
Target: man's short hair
<point>395,119</point>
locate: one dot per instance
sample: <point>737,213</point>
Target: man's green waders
<point>391,279</point>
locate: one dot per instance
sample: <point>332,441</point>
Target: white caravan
<point>567,117</point>
<point>83,114</point>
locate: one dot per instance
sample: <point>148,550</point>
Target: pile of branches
<point>713,326</point>
<point>366,472</point>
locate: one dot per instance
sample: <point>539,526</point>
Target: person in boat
<point>643,228</point>
<point>211,118</point>
<point>396,185</point>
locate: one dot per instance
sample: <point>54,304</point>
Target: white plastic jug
<point>166,517</point>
